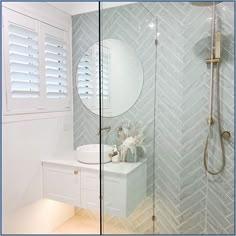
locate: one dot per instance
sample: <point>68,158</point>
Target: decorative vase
<point>131,155</point>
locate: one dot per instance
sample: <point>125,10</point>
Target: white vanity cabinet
<point>62,183</point>
<point>123,184</point>
<point>90,189</point>
<point>113,188</point>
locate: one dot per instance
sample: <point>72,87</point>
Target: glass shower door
<point>127,89</point>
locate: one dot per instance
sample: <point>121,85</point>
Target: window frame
<point>12,105</point>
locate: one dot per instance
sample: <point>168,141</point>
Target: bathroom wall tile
<point>220,194</point>
<point>197,229</point>
<point>186,199</point>
<point>134,17</point>
<point>169,18</point>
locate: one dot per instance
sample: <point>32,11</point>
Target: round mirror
<point>122,78</point>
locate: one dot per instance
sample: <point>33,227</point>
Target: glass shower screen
<point>127,96</point>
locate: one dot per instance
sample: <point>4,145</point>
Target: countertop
<point>122,168</point>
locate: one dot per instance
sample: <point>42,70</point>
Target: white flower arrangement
<point>130,135</point>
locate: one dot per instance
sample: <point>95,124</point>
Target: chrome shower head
<point>203,4</point>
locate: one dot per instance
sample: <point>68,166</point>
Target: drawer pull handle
<point>76,172</point>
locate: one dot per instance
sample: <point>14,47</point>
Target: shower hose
<point>219,129</point>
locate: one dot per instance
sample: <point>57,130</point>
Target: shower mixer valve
<point>226,134</point>
<point>103,129</point>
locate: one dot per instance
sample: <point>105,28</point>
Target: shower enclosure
<point>130,112</point>
<point>144,91</point>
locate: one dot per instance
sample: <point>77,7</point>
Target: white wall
<point>25,144</point>
<point>42,11</point>
<point>27,139</point>
<point>74,8</point>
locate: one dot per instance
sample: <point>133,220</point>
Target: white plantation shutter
<point>36,65</point>
<point>24,66</point>
<point>21,45</point>
<point>85,83</point>
<point>85,79</point>
<point>56,70</point>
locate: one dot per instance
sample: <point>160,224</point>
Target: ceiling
<point>74,8</point>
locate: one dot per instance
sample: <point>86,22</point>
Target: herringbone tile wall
<point>220,189</point>
<point>186,199</point>
<point>138,35</point>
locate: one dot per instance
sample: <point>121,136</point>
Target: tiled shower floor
<point>80,224</point>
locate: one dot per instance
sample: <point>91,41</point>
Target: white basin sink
<point>89,154</point>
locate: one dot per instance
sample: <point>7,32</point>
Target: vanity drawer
<point>62,184</point>
<point>113,198</point>
<point>90,180</point>
<point>114,195</point>
<point>90,199</point>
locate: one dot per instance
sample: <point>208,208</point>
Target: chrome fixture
<point>103,129</point>
<point>214,62</point>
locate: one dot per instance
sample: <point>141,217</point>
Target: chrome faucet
<point>108,128</point>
